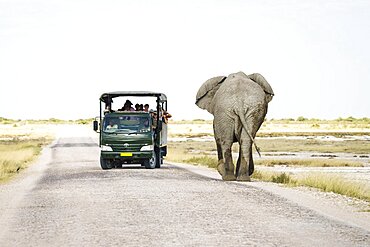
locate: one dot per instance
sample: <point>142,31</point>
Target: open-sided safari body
<point>131,137</point>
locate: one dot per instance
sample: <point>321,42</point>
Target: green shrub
<point>301,119</point>
<point>282,178</point>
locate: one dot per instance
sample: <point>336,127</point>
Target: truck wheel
<point>150,163</point>
<point>105,164</point>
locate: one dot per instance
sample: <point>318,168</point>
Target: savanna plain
<point>331,156</point>
<point>327,156</point>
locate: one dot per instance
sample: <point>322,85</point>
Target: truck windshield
<point>126,124</point>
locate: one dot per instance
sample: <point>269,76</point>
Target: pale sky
<point>57,57</point>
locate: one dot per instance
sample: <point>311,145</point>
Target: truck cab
<point>131,137</point>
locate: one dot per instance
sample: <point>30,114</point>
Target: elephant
<point>239,105</point>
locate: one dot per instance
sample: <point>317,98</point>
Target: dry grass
<point>308,134</point>
<point>280,145</point>
<point>275,177</point>
<point>340,122</point>
<point>203,158</point>
<point>310,145</point>
<point>211,161</point>
<point>283,127</point>
<point>324,182</point>
<point>208,161</point>
<point>284,145</point>
<point>336,184</point>
<point>17,155</point>
<point>185,150</point>
<point>309,162</point>
<point>204,153</point>
<point>264,134</point>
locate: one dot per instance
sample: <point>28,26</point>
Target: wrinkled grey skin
<point>239,106</point>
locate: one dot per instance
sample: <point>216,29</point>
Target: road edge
<point>322,205</point>
<point>12,192</point>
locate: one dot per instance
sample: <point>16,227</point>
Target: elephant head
<point>207,91</point>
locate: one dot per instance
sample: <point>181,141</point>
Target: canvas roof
<point>104,97</point>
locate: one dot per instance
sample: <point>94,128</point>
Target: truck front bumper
<point>127,156</point>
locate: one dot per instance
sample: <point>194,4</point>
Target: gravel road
<point>67,200</point>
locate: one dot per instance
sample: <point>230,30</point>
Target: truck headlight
<point>147,148</point>
<point>106,148</point>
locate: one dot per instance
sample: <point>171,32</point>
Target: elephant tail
<point>245,126</point>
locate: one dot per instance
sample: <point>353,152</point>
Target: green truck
<point>132,137</point>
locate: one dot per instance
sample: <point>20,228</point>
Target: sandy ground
<point>65,199</point>
<point>25,131</point>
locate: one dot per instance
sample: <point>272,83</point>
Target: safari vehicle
<point>131,137</point>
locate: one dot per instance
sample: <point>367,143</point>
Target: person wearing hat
<point>153,114</point>
<point>127,106</point>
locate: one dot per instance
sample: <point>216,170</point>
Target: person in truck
<point>127,106</point>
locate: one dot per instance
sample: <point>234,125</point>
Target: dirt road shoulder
<point>337,207</point>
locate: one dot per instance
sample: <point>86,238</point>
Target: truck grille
<point>125,148</point>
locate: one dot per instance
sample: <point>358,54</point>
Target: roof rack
<point>106,97</point>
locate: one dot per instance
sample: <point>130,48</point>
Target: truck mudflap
<point>163,151</point>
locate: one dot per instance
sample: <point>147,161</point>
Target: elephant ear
<point>207,91</point>
<point>260,80</point>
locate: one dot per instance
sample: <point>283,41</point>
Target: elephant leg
<point>220,165</point>
<point>242,174</point>
<point>254,120</point>
<point>259,118</point>
<point>224,136</point>
<point>219,151</point>
<point>251,163</point>
<point>218,144</point>
<point>228,165</point>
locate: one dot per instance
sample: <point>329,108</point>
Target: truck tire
<point>105,164</point>
<point>150,163</point>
